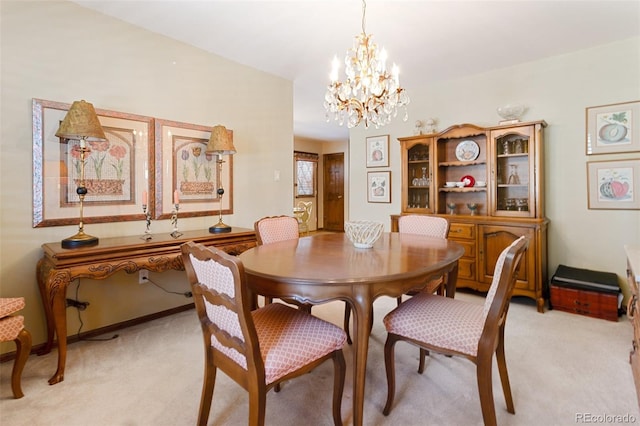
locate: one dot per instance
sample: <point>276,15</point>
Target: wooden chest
<point>585,302</point>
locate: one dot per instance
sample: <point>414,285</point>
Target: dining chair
<point>272,229</point>
<point>455,327</point>
<point>433,226</point>
<point>12,328</point>
<point>257,349</point>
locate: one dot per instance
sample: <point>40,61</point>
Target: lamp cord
<point>91,339</point>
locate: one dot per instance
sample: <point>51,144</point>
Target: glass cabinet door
<point>513,172</point>
<point>417,175</point>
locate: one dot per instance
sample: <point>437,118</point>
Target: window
<point>306,170</point>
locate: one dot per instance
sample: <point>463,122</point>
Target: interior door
<point>333,192</point>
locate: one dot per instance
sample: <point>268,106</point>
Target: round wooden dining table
<point>326,267</point>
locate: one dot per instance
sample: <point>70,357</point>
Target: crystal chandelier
<point>370,93</point>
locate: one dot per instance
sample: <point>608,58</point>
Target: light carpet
<point>564,369</point>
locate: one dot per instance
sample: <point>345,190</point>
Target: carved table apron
<point>59,267</point>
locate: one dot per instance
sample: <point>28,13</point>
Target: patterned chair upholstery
<point>258,349</point>
<point>433,226</point>
<point>12,328</point>
<point>454,327</point>
<point>276,228</point>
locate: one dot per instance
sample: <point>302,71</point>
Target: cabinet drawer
<point>589,303</point>
<point>466,231</point>
<point>466,269</point>
<point>469,248</point>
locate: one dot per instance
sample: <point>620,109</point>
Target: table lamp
<point>81,123</point>
<point>220,143</point>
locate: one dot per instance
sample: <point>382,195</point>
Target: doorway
<point>333,192</point>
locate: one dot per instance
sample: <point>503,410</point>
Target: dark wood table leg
<point>363,315</point>
<point>452,278</point>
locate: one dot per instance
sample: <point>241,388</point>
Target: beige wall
<point>557,90</point>
<point>62,52</point>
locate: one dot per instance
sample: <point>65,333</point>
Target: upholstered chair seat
<point>441,321</point>
<point>12,328</point>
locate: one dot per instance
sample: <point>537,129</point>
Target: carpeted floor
<point>564,369</point>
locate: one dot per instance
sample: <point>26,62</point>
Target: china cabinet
<point>488,182</point>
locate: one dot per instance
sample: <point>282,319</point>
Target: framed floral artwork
<point>378,151</point>
<point>116,170</point>
<point>184,169</point>
<point>379,187</point>
<point>613,128</point>
<point>614,184</point>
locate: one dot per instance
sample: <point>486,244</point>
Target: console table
<point>59,267</point>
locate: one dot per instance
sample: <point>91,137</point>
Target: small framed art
<point>613,128</point>
<point>379,187</point>
<point>378,151</point>
<point>613,185</point>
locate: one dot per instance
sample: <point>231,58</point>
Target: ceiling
<point>429,40</point>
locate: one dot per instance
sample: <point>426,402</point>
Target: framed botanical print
<point>116,171</point>
<point>185,171</point>
<point>378,151</point>
<point>613,128</point>
<point>614,185</point>
<point>379,187</point>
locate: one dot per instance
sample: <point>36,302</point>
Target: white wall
<point>62,52</point>
<point>556,90</point>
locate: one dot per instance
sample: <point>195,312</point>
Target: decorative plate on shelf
<point>467,150</point>
<point>468,180</point>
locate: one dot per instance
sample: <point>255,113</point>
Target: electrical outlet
<point>143,276</point>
